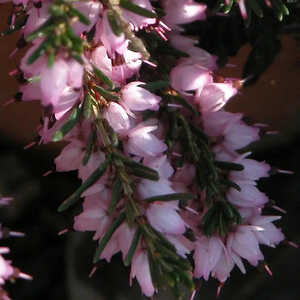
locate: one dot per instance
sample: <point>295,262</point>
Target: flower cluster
<point>164,176</point>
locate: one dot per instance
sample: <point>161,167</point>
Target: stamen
<point>30,145</point>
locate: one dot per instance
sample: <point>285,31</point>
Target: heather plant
<point>167,178</point>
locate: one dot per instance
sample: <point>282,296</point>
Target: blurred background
<point>60,265</point>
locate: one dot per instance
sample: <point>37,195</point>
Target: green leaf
<point>68,126</point>
<point>183,102</point>
<point>137,9</point>
<point>170,197</point>
<point>116,196</point>
<point>41,50</point>
<point>106,94</point>
<point>43,30</point>
<point>103,77</point>
<point>89,148</point>
<point>51,58</point>
<point>107,236</point>
<point>82,18</point>
<point>229,165</point>
<point>116,28</point>
<point>94,177</point>
<point>138,169</point>
<point>155,85</point>
<point>189,136</point>
<point>133,247</point>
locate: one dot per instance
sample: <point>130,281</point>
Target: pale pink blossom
<point>94,216</point>
<point>183,11</point>
<point>214,96</point>
<point>189,77</point>
<point>110,40</point>
<point>196,55</point>
<point>53,81</point>
<point>136,98</point>
<point>253,169</point>
<point>208,251</point>
<point>244,243</point>
<point>164,217</point>
<point>141,270</point>
<point>92,10</point>
<point>265,231</point>
<point>136,20</point>
<point>143,143</point>
<point>249,196</point>
<point>117,118</point>
<point>71,157</point>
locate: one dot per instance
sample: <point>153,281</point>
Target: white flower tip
<point>64,231</point>
<point>16,234</point>
<point>93,271</point>
<point>25,276</point>
<point>267,268</point>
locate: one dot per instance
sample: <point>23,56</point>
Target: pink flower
<point>136,98</point>
<point>37,16</point>
<point>224,266</point>
<point>143,143</point>
<point>110,40</point>
<point>197,55</point>
<point>207,254</point>
<point>71,157</point>
<point>136,20</point>
<point>92,10</point>
<point>141,270</point>
<point>189,77</point>
<point>214,96</point>
<point>163,216</point>
<point>117,118</point>
<point>119,69</point>
<point>244,243</point>
<point>265,231</point>
<point>94,216</point>
<point>249,196</point>
<point>235,133</point>
<point>181,243</point>
<point>53,82</point>
<point>183,11</point>
<point>253,170</point>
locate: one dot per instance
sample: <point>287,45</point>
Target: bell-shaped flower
<point>112,42</point>
<point>91,9</point>
<point>36,18</point>
<point>71,157</point>
<point>189,77</point>
<point>53,81</point>
<point>253,169</point>
<point>117,118</point>
<point>137,20</point>
<point>183,11</point>
<point>142,142</point>
<point>207,254</point>
<point>136,98</point>
<point>265,231</point>
<point>94,216</point>
<point>244,243</point>
<point>249,196</point>
<point>141,270</point>
<point>182,244</point>
<point>214,96</point>
<point>164,217</point>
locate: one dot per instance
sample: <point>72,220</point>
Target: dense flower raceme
<point>163,180</point>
